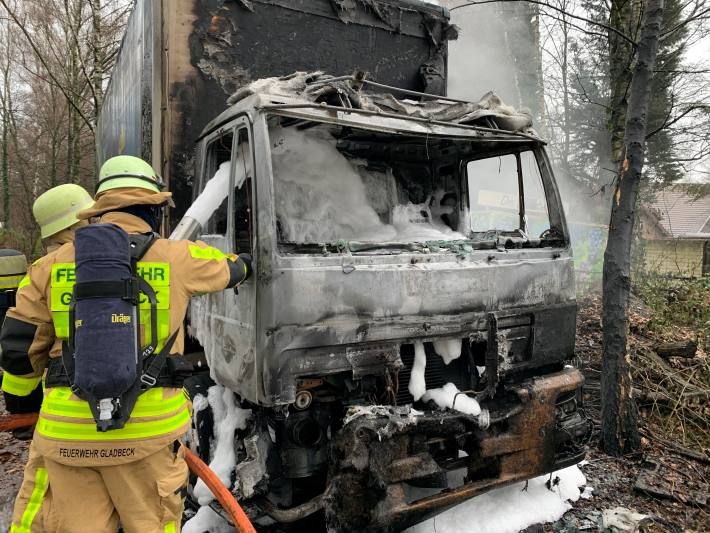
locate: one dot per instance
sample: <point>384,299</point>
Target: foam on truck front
<point>379,240</point>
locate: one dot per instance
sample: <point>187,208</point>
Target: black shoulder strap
<point>140,243</point>
<point>152,363</point>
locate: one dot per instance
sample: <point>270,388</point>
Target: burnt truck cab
<point>381,238</point>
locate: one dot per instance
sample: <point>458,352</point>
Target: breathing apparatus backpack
<point>105,362</point>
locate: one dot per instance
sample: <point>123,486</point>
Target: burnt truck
<point>403,344</point>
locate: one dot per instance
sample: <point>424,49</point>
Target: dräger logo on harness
<point>120,319</point>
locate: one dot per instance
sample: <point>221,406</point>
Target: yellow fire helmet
<point>56,209</point>
<point>13,266</point>
<point>126,171</point>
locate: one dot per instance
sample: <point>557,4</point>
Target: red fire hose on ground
<point>199,468</point>
<point>10,422</point>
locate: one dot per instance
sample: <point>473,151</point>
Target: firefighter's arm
<point>26,338</point>
<point>240,269</point>
<point>212,270</point>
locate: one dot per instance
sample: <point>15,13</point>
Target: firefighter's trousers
<point>30,504</point>
<point>145,496</point>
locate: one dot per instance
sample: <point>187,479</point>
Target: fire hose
<point>197,466</point>
<point>10,422</point>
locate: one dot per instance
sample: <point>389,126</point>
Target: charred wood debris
<point>667,481</point>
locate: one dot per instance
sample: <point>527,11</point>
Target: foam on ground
<point>207,521</point>
<point>510,509</point>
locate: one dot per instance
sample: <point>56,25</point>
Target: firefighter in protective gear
<point>13,270</point>
<point>136,475</point>
<point>55,212</point>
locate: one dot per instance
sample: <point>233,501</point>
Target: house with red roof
<point>676,231</point>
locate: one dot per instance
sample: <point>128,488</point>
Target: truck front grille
<point>437,374</point>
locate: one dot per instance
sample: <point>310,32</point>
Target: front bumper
<point>380,453</point>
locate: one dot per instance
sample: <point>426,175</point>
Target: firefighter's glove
<point>17,405</point>
<point>240,270</point>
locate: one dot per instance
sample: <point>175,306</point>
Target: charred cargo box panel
<point>182,59</point>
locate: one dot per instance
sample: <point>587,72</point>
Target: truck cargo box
<point>181,59</point>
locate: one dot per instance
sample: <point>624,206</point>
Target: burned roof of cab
<point>356,92</point>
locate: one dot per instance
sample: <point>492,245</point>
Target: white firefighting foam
<point>446,398</point>
<point>217,188</point>
<point>320,196</point>
<point>510,509</point>
<point>448,349</point>
<point>212,196</point>
<point>417,383</point>
<point>228,417</point>
<point>207,521</point>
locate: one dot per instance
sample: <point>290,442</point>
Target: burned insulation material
<point>318,87</point>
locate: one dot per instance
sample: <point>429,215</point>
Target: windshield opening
<point>335,184</point>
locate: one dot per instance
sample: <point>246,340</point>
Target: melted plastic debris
<point>444,398</point>
<point>621,519</point>
<point>417,382</point>
<point>404,413</point>
<point>207,521</point>
<point>448,349</point>
<point>228,417</point>
<point>510,509</point>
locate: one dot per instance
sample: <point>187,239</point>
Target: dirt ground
<point>667,465</point>
<point>679,472</point>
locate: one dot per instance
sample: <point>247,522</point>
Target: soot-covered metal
<point>231,44</point>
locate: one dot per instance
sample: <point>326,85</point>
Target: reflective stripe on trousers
<point>18,385</point>
<point>158,411</point>
<point>35,503</point>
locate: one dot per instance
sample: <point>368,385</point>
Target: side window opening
<point>243,226</point>
<point>494,193</point>
<point>219,157</point>
<point>536,214</point>
<point>506,194</point>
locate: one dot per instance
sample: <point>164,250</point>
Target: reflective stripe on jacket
<point>158,411</point>
<point>156,274</point>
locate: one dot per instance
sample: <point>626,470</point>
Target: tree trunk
<point>73,10</point>
<point>97,53</point>
<point>624,16</point>
<point>5,172</point>
<point>619,433</point>
<point>4,152</point>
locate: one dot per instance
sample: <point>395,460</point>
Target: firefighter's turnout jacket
<point>35,329</point>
